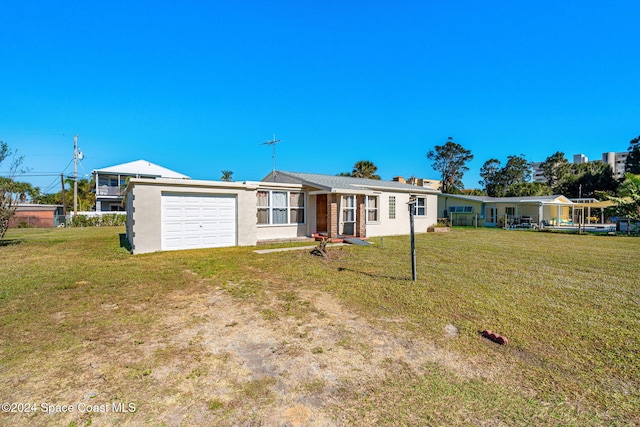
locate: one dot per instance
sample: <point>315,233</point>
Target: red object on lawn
<point>498,339</point>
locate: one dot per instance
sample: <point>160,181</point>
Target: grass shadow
<point>124,243</point>
<point>10,242</point>
<point>378,276</point>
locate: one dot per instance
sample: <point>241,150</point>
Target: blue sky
<point>197,87</point>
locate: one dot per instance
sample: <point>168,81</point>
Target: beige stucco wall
<point>401,224</point>
<point>275,232</point>
<point>445,201</point>
<point>144,210</point>
<point>553,212</point>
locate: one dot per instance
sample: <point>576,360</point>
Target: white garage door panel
<point>172,212</point>
<point>198,221</point>
<point>192,227</point>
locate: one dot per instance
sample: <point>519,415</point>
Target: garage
<point>192,221</point>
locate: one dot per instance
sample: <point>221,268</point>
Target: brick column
<point>361,217</point>
<point>332,215</point>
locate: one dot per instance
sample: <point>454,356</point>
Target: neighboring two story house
<point>112,181</point>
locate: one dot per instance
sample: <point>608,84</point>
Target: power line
<point>51,186</point>
<point>33,133</point>
<point>68,164</point>
<point>31,174</point>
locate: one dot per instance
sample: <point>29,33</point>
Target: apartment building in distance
<point>617,162</point>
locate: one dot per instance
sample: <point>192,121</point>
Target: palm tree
<point>365,169</point>
<point>86,195</point>
<point>628,200</point>
<point>226,176</point>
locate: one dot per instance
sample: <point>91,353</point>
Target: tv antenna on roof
<point>273,143</point>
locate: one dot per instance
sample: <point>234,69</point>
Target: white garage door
<point>191,221</point>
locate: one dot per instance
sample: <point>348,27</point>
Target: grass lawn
<point>82,320</point>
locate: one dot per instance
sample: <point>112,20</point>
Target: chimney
<point>399,179</point>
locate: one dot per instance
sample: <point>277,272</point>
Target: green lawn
<point>569,305</point>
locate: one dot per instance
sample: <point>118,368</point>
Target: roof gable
<point>143,168</point>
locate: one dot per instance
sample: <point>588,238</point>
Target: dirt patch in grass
<point>214,358</point>
<point>285,369</point>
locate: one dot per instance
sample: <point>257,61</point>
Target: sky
<point>199,86</point>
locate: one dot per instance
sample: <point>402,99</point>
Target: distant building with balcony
<point>617,161</point>
<point>111,181</point>
<point>536,172</point>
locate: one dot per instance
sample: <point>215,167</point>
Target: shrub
<point>107,220</point>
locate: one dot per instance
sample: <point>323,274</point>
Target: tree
<point>12,192</point>
<point>555,169</point>
<point>632,164</point>
<point>586,180</point>
<point>226,176</point>
<point>86,195</point>
<point>474,192</point>
<point>362,169</point>
<point>628,198</point>
<point>48,198</point>
<point>593,177</point>
<point>507,180</point>
<point>489,174</point>
<point>450,159</point>
<point>523,189</point>
<point>516,171</point>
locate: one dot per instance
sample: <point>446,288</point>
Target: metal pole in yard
<point>412,207</point>
<point>75,176</point>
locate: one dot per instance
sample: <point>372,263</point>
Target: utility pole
<point>75,176</point>
<point>273,143</point>
<point>64,199</point>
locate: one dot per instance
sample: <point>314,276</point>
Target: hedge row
<point>98,221</point>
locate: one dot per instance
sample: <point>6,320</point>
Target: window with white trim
<point>392,207</point>
<point>349,208</point>
<point>372,208</point>
<point>280,207</point>
<point>421,206</point>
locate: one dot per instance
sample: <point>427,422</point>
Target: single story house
<point>488,211</point>
<point>38,216</point>
<point>166,214</point>
<point>111,181</point>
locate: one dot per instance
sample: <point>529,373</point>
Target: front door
<point>321,213</point>
<point>492,215</point>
